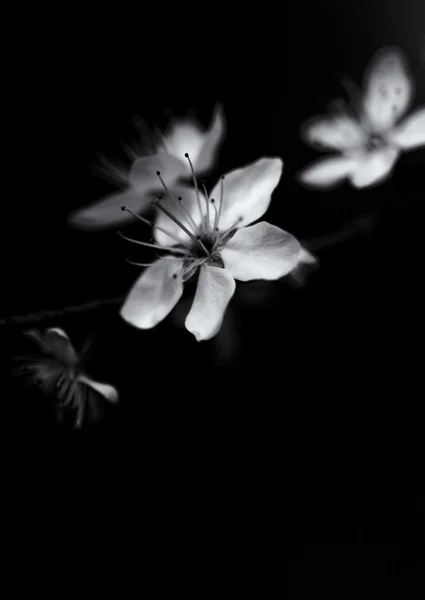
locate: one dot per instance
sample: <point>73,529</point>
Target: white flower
<point>139,181</point>
<point>56,370</point>
<point>370,138</point>
<point>211,234</point>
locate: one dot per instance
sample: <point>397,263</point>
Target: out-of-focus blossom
<point>56,370</point>
<point>212,234</point>
<point>139,182</point>
<point>368,136</point>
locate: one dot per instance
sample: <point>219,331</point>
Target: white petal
<point>104,389</point>
<point>326,173</point>
<point>54,342</point>
<point>179,209</point>
<point>388,89</point>
<point>262,251</point>
<point>58,331</point>
<point>374,167</point>
<point>211,143</point>
<point>154,294</point>
<point>247,192</point>
<point>338,132</point>
<point>410,133</point>
<point>306,258</point>
<point>187,136</point>
<point>215,289</point>
<point>107,213</point>
<point>143,173</point>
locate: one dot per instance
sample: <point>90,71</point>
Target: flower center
<point>203,236</point>
<point>375,142</point>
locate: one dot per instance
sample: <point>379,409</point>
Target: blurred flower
<point>369,137</point>
<point>210,234</point>
<point>56,369</point>
<point>139,181</point>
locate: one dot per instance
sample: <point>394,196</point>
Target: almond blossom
<point>211,235</point>
<point>139,183</point>
<point>56,369</point>
<point>369,136</point>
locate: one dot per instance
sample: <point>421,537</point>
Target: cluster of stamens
<point>203,240</point>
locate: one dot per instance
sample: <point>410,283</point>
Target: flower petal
<point>154,294</point>
<point>338,132</point>
<point>215,289</point>
<point>374,167</point>
<point>262,251</point>
<point>186,136</point>
<point>106,213</point>
<point>180,209</point>
<point>247,192</point>
<point>410,133</point>
<point>143,173</point>
<point>306,258</point>
<point>326,173</point>
<point>55,343</point>
<point>104,389</point>
<point>387,89</point>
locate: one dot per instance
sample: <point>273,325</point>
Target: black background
<point>285,453</point>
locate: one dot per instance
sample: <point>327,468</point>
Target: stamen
<point>173,218</point>
<point>195,183</point>
<point>176,201</point>
<point>201,243</point>
<point>182,205</point>
<point>151,223</point>
<point>218,213</point>
<point>215,211</point>
<point>222,236</point>
<point>156,246</point>
<point>208,207</point>
<point>130,262</point>
<point>192,268</point>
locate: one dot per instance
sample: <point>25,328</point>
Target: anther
<point>158,173</point>
<point>186,155</point>
<point>122,207</point>
<point>174,276</point>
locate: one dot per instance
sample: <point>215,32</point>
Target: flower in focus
<point>211,235</point>
<point>56,369</point>
<point>368,136</point>
<point>139,183</point>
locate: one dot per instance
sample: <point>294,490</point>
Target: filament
<point>156,246</point>
<point>218,212</point>
<point>151,223</point>
<point>195,183</point>
<point>207,219</point>
<point>177,201</point>
<point>173,218</point>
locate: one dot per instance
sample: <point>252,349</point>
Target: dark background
<point>287,452</point>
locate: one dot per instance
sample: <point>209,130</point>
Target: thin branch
<point>35,317</point>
